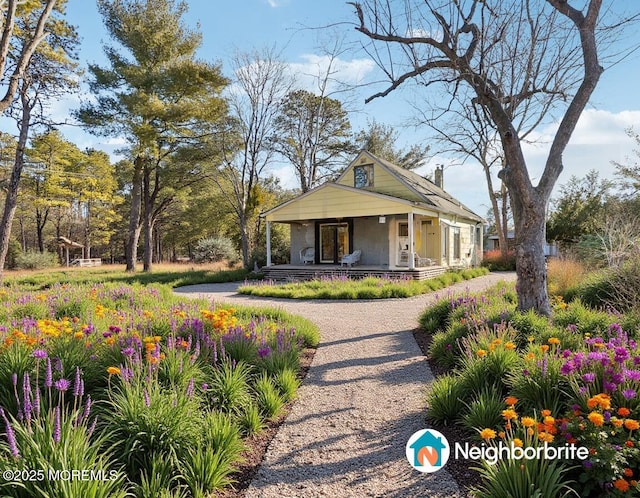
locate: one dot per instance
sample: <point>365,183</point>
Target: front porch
<point>287,273</point>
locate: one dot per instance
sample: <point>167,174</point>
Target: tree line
<point>199,145</point>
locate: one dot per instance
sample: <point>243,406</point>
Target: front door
<point>334,242</point>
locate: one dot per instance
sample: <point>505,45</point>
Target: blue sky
<point>253,24</point>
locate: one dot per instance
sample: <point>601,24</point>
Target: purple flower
<point>39,354</point>
<point>609,386</point>
<point>567,368</point>
<point>589,377</point>
<point>607,416</point>
<point>587,464</point>
<point>57,429</point>
<point>48,378</point>
<point>87,408</point>
<point>629,393</point>
<point>14,379</point>
<point>147,401</point>
<point>115,329</point>
<point>621,355</point>
<point>205,386</point>
<point>190,387</point>
<point>264,352</point>
<point>78,384</point>
<point>632,375</point>
<point>11,436</point>
<point>62,385</point>
<point>128,351</point>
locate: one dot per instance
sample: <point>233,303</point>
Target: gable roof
<point>428,192</point>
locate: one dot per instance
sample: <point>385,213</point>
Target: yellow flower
<point>481,353</point>
<point>518,443</point>
<point>554,341</point>
<point>510,345</point>
<point>528,421</point>
<point>113,371</point>
<point>487,434</point>
<point>549,420</point>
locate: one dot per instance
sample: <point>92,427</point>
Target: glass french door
<point>334,242</point>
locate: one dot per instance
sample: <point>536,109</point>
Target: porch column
<point>268,243</point>
<point>412,261</point>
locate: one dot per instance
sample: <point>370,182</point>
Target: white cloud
<point>277,3</point>
<point>313,67</point>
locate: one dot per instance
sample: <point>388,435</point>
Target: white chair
<point>351,259</point>
<point>421,262</point>
<point>307,255</point>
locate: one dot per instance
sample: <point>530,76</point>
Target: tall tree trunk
<point>134,216</point>
<point>11,200</point>
<point>531,268</point>
<point>147,223</point>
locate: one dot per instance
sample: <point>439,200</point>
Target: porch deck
<point>283,273</point>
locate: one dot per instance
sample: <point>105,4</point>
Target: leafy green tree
<point>381,140</point>
<point>579,209</point>
<point>158,95</point>
<point>313,133</point>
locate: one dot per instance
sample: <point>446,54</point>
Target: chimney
<point>438,176</point>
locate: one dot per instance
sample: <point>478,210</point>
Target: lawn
<point>174,275</point>
<point>154,394</point>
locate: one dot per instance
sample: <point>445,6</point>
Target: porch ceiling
<point>338,201</point>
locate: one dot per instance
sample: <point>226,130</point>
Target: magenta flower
<point>629,393</point>
<point>62,385</point>
<point>57,429</point>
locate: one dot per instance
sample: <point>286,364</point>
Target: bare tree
<point>260,84</point>
<point>510,54</point>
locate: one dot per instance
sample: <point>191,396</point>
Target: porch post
<point>268,243</point>
<point>412,261</point>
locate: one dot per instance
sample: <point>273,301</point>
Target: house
<point>493,244</point>
<point>397,219</point>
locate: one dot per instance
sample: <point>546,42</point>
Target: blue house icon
<point>423,444</point>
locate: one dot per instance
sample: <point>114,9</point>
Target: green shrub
<point>221,433</point>
<point>436,316</point>
<point>444,348</point>
<point>529,324</point>
<point>484,411</point>
<point>250,420</point>
<point>287,383</point>
<point>213,249</point>
<point>161,479</point>
<point>267,398</point>
<point>229,386</point>
<point>445,399</point>
<point>35,260</point>
<point>525,478</point>
<point>206,469</point>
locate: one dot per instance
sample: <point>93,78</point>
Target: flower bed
<point>519,380</point>
<point>116,390</point>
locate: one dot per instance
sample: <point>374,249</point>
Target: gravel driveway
<point>361,401</point>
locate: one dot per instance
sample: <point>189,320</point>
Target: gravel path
<point>361,401</point>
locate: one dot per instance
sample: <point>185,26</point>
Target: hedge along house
<point>400,221</point>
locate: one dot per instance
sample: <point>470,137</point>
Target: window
<point>456,243</point>
<point>363,176</point>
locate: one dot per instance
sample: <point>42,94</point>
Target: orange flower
<point>554,341</point>
<point>616,422</point>
<point>545,413</point>
<point>628,472</point>
<point>113,371</point>
<point>530,356</point>
<point>624,412</point>
<point>481,353</point>
<point>510,345</point>
<point>544,348</point>
<point>487,434</point>
<point>549,420</point>
<point>596,419</point>
<point>631,424</point>
<point>518,443</point>
<point>545,437</point>
<point>621,485</point>
<point>511,400</point>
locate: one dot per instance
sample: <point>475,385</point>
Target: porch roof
<point>332,200</point>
